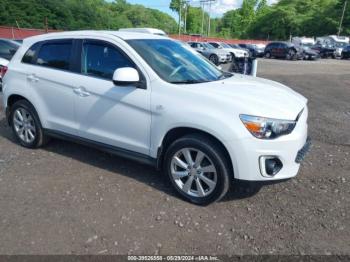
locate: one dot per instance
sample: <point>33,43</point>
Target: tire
<point>290,55</point>
<point>211,170</point>
<point>268,55</point>
<point>214,59</point>
<point>26,125</point>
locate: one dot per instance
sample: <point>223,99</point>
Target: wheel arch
<point>178,132</point>
<point>11,100</point>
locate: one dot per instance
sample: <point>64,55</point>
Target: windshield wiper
<point>188,82</point>
<point>224,75</point>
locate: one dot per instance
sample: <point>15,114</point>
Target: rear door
<point>49,75</point>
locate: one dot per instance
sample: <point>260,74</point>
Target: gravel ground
<point>70,199</point>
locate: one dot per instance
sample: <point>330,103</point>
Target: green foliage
<point>255,19</point>
<point>82,14</point>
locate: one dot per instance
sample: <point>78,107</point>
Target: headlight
<point>267,128</point>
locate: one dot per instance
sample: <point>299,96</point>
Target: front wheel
<point>268,55</point>
<point>198,169</point>
<point>214,59</point>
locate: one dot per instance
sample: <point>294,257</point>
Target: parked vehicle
<point>284,50</point>
<point>235,52</point>
<point>346,52</point>
<point>216,56</point>
<point>152,99</point>
<point>153,31</point>
<point>255,51</point>
<point>325,51</point>
<point>339,48</point>
<point>309,54</point>
<point>7,49</point>
<point>305,44</point>
<point>303,41</point>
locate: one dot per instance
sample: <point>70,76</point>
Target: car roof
<point>73,34</point>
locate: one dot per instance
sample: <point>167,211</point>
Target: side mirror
<point>126,76</point>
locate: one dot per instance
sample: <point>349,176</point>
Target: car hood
<point>309,51</point>
<point>234,50</point>
<point>255,96</point>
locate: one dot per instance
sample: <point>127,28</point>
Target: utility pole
<point>46,25</point>
<point>186,10</point>
<point>202,6</point>
<point>342,18</point>
<point>180,10</point>
<point>207,2</point>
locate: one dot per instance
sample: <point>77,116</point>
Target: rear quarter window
<point>28,57</point>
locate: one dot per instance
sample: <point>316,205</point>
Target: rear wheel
<point>26,125</point>
<point>214,59</point>
<point>268,55</point>
<point>198,169</point>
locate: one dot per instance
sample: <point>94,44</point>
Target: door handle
<point>81,91</point>
<point>32,78</point>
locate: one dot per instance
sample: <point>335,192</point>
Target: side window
<point>102,59</point>
<point>193,45</point>
<point>55,54</point>
<point>28,58</point>
<point>215,45</point>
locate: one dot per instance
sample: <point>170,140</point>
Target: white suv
<point>157,101</point>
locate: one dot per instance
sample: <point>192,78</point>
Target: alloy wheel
<point>24,125</point>
<point>193,172</point>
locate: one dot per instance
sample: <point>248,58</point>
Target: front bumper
<point>225,58</point>
<point>289,149</point>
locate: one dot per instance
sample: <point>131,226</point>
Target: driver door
<point>118,116</point>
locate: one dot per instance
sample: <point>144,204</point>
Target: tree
<point>82,14</point>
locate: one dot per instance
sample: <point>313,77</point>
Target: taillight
<point>3,70</point>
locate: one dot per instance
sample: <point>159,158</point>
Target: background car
<point>346,52</point>
<point>235,52</point>
<point>284,50</point>
<point>255,51</point>
<point>216,56</point>
<point>7,49</point>
<point>325,51</point>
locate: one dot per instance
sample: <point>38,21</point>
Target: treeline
<point>82,14</point>
<point>255,19</point>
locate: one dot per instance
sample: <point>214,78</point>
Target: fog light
<point>270,165</point>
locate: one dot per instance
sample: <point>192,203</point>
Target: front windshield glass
<point>208,46</point>
<point>175,62</point>
<point>307,44</point>
<point>225,45</point>
<point>340,44</point>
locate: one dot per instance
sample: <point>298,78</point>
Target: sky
<point>217,10</point>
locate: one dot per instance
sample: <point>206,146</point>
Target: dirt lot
<point>69,199</point>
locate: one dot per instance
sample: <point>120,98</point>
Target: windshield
<point>175,62</point>
<point>307,44</point>
<point>206,45</point>
<point>225,45</point>
<point>339,44</point>
<point>8,48</point>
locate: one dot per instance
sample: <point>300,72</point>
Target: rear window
<point>55,55</point>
